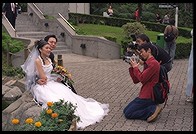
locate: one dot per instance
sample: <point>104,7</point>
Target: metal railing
<point>66,21</point>
<point>37,8</point>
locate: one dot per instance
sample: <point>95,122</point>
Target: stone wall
<point>52,9</point>
<point>21,102</point>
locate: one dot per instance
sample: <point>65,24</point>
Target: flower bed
<point>58,116</point>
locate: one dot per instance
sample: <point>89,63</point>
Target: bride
<point>38,63</point>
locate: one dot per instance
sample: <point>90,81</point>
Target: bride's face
<point>46,50</point>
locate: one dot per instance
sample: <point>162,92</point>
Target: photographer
<point>143,107</point>
<point>159,53</point>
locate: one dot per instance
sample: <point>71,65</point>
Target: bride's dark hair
<point>39,44</point>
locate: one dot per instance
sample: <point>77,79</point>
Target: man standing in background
<point>170,46</point>
<point>10,10</point>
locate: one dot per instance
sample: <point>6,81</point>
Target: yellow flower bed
<point>58,116</point>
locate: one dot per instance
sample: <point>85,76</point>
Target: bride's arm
<point>40,70</point>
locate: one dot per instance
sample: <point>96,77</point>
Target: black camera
<point>130,54</point>
<point>132,45</point>
<point>133,57</point>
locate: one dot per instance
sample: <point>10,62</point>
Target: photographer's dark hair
<point>49,36</point>
<point>143,37</point>
<point>146,46</point>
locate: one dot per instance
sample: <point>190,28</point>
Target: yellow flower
<point>49,111</point>
<point>38,124</point>
<point>64,70</point>
<point>15,121</point>
<point>54,115</point>
<point>61,67</point>
<point>29,121</point>
<point>49,104</point>
<point>69,76</point>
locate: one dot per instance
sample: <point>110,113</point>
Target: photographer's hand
<point>141,62</point>
<point>137,52</point>
<point>133,63</point>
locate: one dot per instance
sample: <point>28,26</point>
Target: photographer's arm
<point>138,53</point>
<point>134,66</point>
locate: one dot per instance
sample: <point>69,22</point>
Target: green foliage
<point>133,28</point>
<point>13,72</point>
<point>79,31</point>
<point>148,16</point>
<point>100,30</point>
<point>14,45</point>
<point>23,6</point>
<point>185,11</point>
<point>182,50</point>
<point>49,17</point>
<point>62,122</point>
<point>117,32</point>
<point>110,38</point>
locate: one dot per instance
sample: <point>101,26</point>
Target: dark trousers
<point>168,65</point>
<point>139,109</point>
<point>12,19</point>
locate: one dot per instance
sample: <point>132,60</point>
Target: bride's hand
<point>59,79</point>
<point>42,81</point>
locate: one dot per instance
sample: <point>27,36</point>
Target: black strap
<point>172,28</point>
<point>157,51</point>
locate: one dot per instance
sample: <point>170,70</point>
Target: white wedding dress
<point>89,110</point>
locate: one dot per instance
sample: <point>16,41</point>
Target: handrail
<point>37,8</point>
<point>66,21</point>
<point>9,24</point>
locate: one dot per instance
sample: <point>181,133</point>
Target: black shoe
<point>38,103</point>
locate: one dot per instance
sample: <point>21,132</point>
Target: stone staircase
<point>26,28</point>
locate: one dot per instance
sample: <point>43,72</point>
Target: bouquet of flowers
<point>62,75</point>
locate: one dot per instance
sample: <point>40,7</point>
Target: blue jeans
<point>139,109</point>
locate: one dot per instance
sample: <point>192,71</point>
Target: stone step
<point>61,47</point>
<point>23,23</point>
<point>65,51</point>
<point>29,28</point>
<point>34,35</point>
<point>26,28</point>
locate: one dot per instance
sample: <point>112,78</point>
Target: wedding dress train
<point>89,110</point>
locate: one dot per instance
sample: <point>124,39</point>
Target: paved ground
<point>108,81</point>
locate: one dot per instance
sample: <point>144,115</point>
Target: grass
<point>101,30</point>
<point>117,32</point>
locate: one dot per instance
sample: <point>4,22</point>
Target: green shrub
<point>57,117</point>
<point>23,6</point>
<point>12,72</point>
<point>133,28</point>
<point>14,45</point>
<point>148,16</point>
<point>182,50</point>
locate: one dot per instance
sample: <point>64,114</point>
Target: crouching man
<point>143,107</point>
